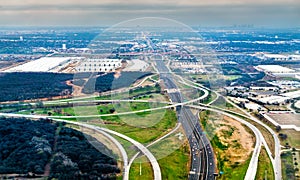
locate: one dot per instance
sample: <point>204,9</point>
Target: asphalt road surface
<point>202,158</point>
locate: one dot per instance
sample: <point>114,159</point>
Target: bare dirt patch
<point>77,90</point>
<point>239,141</point>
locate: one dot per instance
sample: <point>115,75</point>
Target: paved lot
<point>286,119</point>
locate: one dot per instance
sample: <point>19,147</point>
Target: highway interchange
<point>202,156</point>
<point>188,122</point>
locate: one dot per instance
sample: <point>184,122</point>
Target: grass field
<point>175,166</point>
<point>130,149</point>
<point>293,138</point>
<point>132,93</point>
<point>155,77</point>
<point>141,169</point>
<point>148,133</point>
<point>265,168</point>
<point>288,171</point>
<point>221,103</point>
<point>212,96</point>
<point>94,109</point>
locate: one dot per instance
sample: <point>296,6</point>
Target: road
<point>277,159</point>
<point>202,158</point>
<point>276,162</point>
<point>154,142</point>
<point>252,168</point>
<point>141,147</point>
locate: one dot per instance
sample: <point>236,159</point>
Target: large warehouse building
<point>45,64</point>
<point>99,65</point>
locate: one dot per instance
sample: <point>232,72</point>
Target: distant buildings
<point>263,95</point>
<point>278,71</point>
<point>189,66</point>
<point>64,47</point>
<point>277,57</point>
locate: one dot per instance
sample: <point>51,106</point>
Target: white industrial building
<point>274,69</point>
<point>45,64</point>
<point>275,57</point>
<point>274,100</point>
<point>278,57</point>
<point>98,65</point>
<point>281,98</point>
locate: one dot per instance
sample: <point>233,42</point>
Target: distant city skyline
<point>267,13</point>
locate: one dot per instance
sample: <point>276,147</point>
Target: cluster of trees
<point>25,86</point>
<point>29,146</point>
<point>76,158</point>
<point>25,146</point>
<point>109,82</point>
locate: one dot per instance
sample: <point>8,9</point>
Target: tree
<point>282,136</point>
<point>112,110</point>
<point>278,128</point>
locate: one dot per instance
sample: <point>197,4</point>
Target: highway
<point>201,150</point>
<point>202,157</point>
<point>277,159</point>
<point>276,162</point>
<point>252,168</point>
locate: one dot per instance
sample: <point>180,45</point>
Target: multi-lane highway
<point>276,161</point>
<point>202,158</point>
<point>252,168</point>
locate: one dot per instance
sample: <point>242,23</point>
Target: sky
<point>266,13</point>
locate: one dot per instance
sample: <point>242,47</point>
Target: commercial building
<point>98,65</point>
<point>45,64</point>
<point>274,69</point>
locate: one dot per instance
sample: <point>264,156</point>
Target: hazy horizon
<point>260,13</point>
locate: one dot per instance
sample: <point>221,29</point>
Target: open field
<point>176,165</point>
<point>233,144</point>
<point>221,103</point>
<point>286,118</point>
<point>288,171</point>
<point>265,168</point>
<point>212,96</point>
<point>173,155</point>
<point>81,110</point>
<point>141,169</point>
<point>293,138</point>
<point>134,93</point>
<point>147,133</point>
<point>143,127</point>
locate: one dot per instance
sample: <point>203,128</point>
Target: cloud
<point>95,12</point>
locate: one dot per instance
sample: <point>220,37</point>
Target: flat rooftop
<point>45,64</point>
<point>275,69</point>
